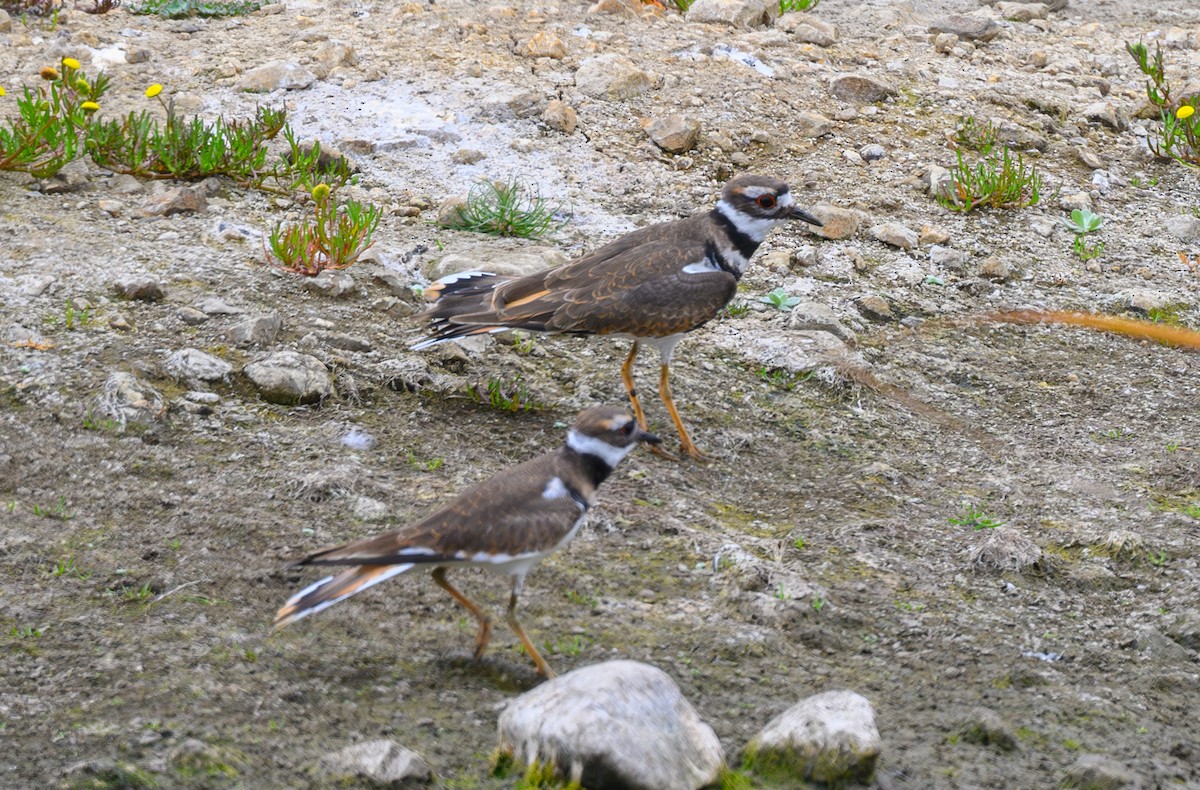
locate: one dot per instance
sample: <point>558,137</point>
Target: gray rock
<point>1075,200</point>
<point>215,306</point>
<point>895,234</point>
<point>381,763</point>
<point>71,177</point>
<point>995,269</point>
<point>829,738</point>
<point>141,288</point>
<point>1090,159</point>
<point>811,124</point>
<point>739,13</point>
<point>35,284</point>
<point>467,156</point>
<point>1004,549</point>
<point>1184,227</point>
<point>1105,113</point>
<point>560,115</point>
<point>796,351</point>
<point>808,29</point>
<point>861,88</point>
<point>1143,300</point>
<point>612,77</point>
<point>260,330</point>
<point>5,22</point>
<point>191,316</point>
<point>968,27</point>
<point>1185,630</point>
<point>948,258</point>
<point>125,398</point>
<point>344,341</point>
<point>174,201</point>
<point>615,724</point>
<point>1100,772</point>
<point>984,727</point>
<point>138,55</point>
<point>1052,5</point>
<point>545,44</point>
<point>364,508</point>
<point>513,263</point>
<point>192,364</point>
<point>125,184</point>
<point>837,222</point>
<point>872,152</point>
<point>938,180</point>
<point>874,308</point>
<point>289,377</point>
<point>1023,12</point>
<point>276,75</point>
<point>333,283</point>
<point>675,134</point>
<point>815,316</point>
<point>503,105</point>
<point>113,208</point>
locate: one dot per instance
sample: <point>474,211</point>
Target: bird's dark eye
<point>766,201</point>
<point>628,429</point>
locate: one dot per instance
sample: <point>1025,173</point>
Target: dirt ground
<point>841,538</point>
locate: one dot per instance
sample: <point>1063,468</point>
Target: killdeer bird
<point>505,525</point>
<point>653,285</point>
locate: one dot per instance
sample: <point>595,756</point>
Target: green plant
<point>981,137</point>
<point>1157,558</point>
<point>513,396</point>
<point>333,239</point>
<point>52,121</point>
<point>786,6</point>
<point>1179,137</point>
<point>567,646</point>
<point>995,181</point>
<point>178,9</point>
<point>737,309</point>
<point>59,510</point>
<point>68,567</point>
<point>523,343</point>
<point>139,593</point>
<point>103,424</point>
<point>818,603</point>
<point>432,465</point>
<point>25,632</point>
<point>780,300</point>
<point>507,208</point>
<point>1193,510</point>
<point>590,601</point>
<point>1081,223</point>
<point>781,593</point>
<point>783,379</point>
<point>1140,184</point>
<point>976,518</point>
<point>73,316</point>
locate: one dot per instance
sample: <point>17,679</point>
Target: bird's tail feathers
<point>325,593</point>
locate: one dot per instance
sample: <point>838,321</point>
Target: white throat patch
<point>590,445</point>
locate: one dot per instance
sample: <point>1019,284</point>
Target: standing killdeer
<point>652,285</point>
<point>505,525</point>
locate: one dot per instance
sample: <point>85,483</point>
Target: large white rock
<point>829,737</point>
<point>611,76</point>
<point>740,13</point>
<point>290,377</point>
<point>193,364</point>
<point>616,724</point>
<point>382,763</point>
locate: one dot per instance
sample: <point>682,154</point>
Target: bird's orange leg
<point>664,392</point>
<point>542,667</point>
<point>485,623</point>
<point>631,390</point>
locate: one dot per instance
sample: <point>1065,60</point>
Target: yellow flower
<point>1185,112</point>
<point>89,106</point>
<point>48,73</point>
<point>320,192</point>
<point>3,92</point>
<point>70,63</point>
<point>153,91</point>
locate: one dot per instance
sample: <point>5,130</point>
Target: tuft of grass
<point>737,309</point>
<point>179,9</point>
<point>508,208</point>
<point>431,465</point>
<point>975,136</point>
<point>1002,181</point>
<point>512,396</point>
<point>334,238</point>
<point>53,121</point>
<point>976,518</point>
<point>786,6</point>
<point>786,380</point>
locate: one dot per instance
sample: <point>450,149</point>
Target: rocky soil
<point>844,537</point>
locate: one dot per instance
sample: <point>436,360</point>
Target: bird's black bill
<point>648,437</point>
<point>799,213</point>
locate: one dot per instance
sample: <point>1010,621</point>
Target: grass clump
<point>975,136</point>
<point>512,396</point>
<point>976,518</point>
<point>333,238</point>
<point>786,6</point>
<point>507,208</point>
<point>995,181</point>
<point>52,120</point>
<point>1179,137</point>
<point>179,9</point>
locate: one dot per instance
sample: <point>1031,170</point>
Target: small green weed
<point>52,121</point>
<point>25,632</point>
<point>59,510</point>
<point>786,6</point>
<point>781,593</point>
<point>334,238</point>
<point>568,646</point>
<point>737,309</point>
<point>179,9</point>
<point>1081,223</point>
<point>1001,181</point>
<point>513,396</point>
<point>508,208</point>
<point>73,317</point>
<point>780,300</point>
<point>1193,511</point>
<point>590,601</point>
<point>786,380</point>
<point>138,593</point>
<point>975,518</point>
<point>1138,183</point>
<point>523,343</point>
<point>68,567</point>
<point>1179,136</point>
<point>431,465</point>
<point>975,136</point>
<point>1157,558</point>
<point>103,424</point>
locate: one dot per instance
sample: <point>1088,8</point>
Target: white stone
<point>829,738</point>
<point>192,363</point>
<point>380,763</point>
<point>290,377</point>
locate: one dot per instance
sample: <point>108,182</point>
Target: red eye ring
<point>766,201</point>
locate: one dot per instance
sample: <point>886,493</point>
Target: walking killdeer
<point>652,285</point>
<point>505,525</point>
